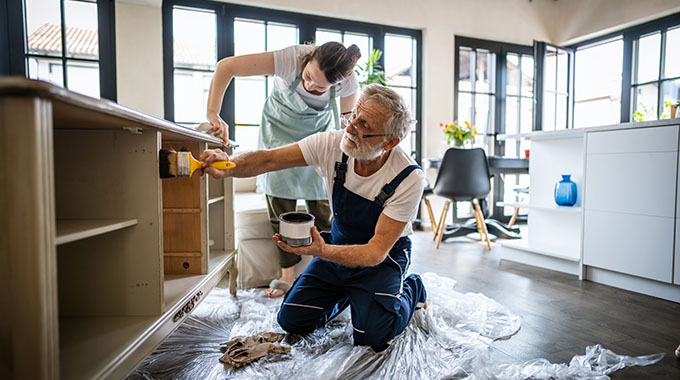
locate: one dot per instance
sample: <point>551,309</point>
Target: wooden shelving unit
<point>95,241</point>
<point>77,229</point>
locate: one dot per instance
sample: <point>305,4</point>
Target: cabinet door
<point>677,248</point>
<point>633,244</point>
<point>632,183</point>
<point>677,230</point>
<point>630,197</point>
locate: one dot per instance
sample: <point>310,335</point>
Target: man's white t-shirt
<point>322,151</point>
<point>288,65</point>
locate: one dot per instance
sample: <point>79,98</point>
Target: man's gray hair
<point>399,121</point>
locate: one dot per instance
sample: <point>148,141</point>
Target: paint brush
<point>183,164</point>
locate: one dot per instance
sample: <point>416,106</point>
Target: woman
<point>307,80</point>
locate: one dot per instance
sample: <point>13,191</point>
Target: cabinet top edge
<point>579,132</point>
<point>23,87</point>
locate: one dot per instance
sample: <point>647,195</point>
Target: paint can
<point>295,228</point>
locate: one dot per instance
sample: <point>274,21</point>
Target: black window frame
<point>307,25</point>
<point>540,49</point>
<point>15,54</point>
<point>630,35</point>
<point>497,147</point>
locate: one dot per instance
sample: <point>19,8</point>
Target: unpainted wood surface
<point>28,250</point>
<point>102,174</point>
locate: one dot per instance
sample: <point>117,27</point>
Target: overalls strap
<point>340,170</point>
<point>389,188</point>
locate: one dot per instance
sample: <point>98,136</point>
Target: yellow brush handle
<point>222,165</point>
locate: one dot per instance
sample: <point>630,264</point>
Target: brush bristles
<point>167,163</point>
<point>184,164</point>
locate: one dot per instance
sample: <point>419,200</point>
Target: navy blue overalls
<point>382,301</point>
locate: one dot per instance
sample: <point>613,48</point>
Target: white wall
<point>583,19</point>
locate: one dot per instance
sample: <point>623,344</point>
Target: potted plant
<point>674,109</point>
<point>372,71</point>
<point>459,134</point>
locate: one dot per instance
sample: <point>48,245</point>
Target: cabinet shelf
<point>523,245</point>
<point>70,230</point>
<point>216,199</point>
<point>531,206</point>
<point>95,347</point>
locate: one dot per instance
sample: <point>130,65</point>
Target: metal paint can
<point>295,228</point>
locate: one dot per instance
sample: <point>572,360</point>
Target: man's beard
<point>362,152</point>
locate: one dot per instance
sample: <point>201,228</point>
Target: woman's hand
<point>220,127</point>
<point>208,157</point>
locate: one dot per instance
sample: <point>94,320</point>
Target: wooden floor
<point>560,314</point>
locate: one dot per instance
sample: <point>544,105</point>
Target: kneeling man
<point>374,189</point>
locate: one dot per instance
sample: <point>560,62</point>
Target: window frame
<point>540,49</point>
<point>497,147</point>
<point>14,48</point>
<point>307,25</point>
<point>630,35</point>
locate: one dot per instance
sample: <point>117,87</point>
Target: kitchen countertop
<point>579,132</point>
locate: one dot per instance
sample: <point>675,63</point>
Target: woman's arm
<point>227,68</point>
<point>347,102</point>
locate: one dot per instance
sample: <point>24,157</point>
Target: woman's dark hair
<point>336,61</point>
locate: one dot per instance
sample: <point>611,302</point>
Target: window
<point>597,83</point>
<point>656,76</point>
<point>642,63</point>
<point>194,57</point>
<point>519,104</point>
<point>553,101</point>
<point>256,36</point>
<point>494,88</point>
<point>70,43</point>
<point>477,90</point>
<point>401,72</point>
<point>242,30</point>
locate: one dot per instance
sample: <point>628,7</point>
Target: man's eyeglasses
<point>348,121</point>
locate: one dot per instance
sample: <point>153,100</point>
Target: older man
<point>374,189</point>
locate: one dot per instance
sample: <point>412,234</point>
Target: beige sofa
<point>258,261</point>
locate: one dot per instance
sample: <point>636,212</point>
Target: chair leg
<point>483,224</point>
<point>442,224</point>
<point>514,217</point>
<point>431,214</point>
<point>478,223</point>
<point>441,220</point>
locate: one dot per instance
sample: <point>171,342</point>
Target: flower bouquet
<point>459,134</point>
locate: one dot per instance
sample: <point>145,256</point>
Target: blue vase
<point>565,191</point>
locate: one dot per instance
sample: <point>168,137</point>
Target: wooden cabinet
<point>102,259</point>
<point>630,201</point>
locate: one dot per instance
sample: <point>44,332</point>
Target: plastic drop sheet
<point>449,340</point>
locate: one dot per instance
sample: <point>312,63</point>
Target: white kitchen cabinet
<point>676,271</point>
<point>630,201</point>
<point>639,245</point>
<point>626,232</point>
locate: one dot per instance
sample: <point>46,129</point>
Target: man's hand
<point>220,127</point>
<point>314,249</point>
<point>208,157</point>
